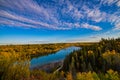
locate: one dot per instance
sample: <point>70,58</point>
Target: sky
<point>55,21</point>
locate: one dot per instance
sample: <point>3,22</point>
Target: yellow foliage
<point>99,48</point>
<point>113,52</point>
<point>62,73</point>
<point>69,76</point>
<point>109,53</point>
<point>90,52</point>
<point>87,76</point>
<point>112,75</point>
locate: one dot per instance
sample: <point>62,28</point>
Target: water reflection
<point>60,55</point>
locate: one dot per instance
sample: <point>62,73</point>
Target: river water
<point>55,57</point>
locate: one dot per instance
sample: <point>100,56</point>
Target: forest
<point>101,60</point>
<point>34,50</point>
<point>94,61</point>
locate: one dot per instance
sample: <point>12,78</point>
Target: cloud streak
<point>111,2</point>
<point>88,26</point>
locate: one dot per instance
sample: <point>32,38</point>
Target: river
<point>55,57</point>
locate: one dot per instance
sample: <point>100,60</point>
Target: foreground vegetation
<point>98,61</point>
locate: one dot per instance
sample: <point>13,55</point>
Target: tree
<point>69,76</point>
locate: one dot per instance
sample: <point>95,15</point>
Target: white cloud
<point>28,8</point>
<point>97,15</point>
<point>111,2</point>
<point>70,25</point>
<point>83,25</point>
<point>18,20</point>
<point>93,27</point>
<point>77,25</point>
<point>73,11</point>
<point>117,26</point>
<point>17,24</point>
<point>118,4</point>
<point>115,20</point>
<point>94,14</point>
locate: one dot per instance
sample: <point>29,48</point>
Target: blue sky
<point>51,21</point>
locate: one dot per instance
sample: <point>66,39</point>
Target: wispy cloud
<point>96,15</point>
<point>57,15</point>
<point>115,20</point>
<point>118,4</point>
<point>18,20</point>
<point>73,11</point>
<point>117,26</point>
<point>111,2</point>
<point>93,27</point>
<point>17,9</point>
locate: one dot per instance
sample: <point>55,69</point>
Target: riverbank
<point>50,67</point>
